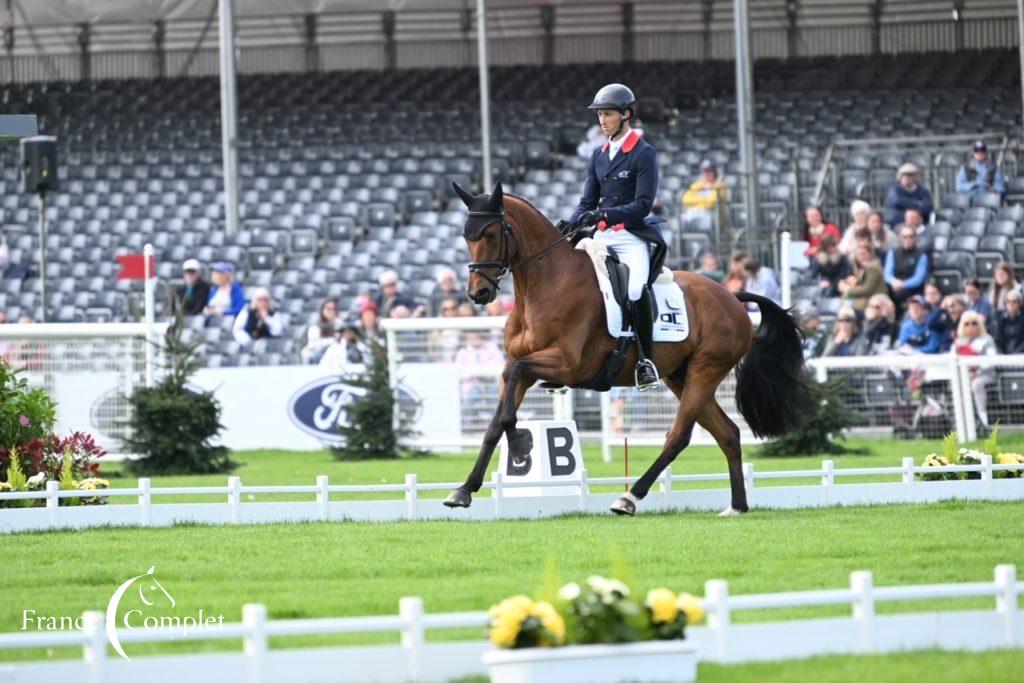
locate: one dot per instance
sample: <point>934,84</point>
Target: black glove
<point>589,218</point>
<point>565,227</point>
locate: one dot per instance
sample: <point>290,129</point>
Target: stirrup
<point>646,363</point>
<point>554,388</point>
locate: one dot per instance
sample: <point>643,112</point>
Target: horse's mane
<point>544,219</point>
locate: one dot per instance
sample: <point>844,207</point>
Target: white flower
<point>569,592</point>
<point>38,478</point>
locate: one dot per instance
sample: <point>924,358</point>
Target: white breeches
<point>632,251</point>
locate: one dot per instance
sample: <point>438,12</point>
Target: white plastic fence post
<point>584,489</point>
<point>410,497</point>
<point>961,417</point>
<point>254,644</point>
<point>962,373</point>
<point>323,500</point>
<point>908,478</point>
<point>497,478</point>
<point>862,585</point>
<point>748,475</point>
<point>828,478</point>
<point>94,651</point>
<point>785,276</point>
<point>606,426</point>
<point>414,637</point>
<point>235,499</point>
<point>145,501</point>
<point>716,596</point>
<point>1006,601</point>
<point>52,500</point>
<point>986,473</point>
<point>666,487</point>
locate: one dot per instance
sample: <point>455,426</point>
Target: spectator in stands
<point>259,320</point>
<point>369,322</point>
<point>709,267</point>
<point>975,300</point>
<point>447,287</point>
<point>815,228</point>
<point>191,296</point>
<point>761,280</point>
<point>830,266</point>
<point>906,268</point>
<point>321,334</point>
<point>973,340</point>
<point>474,360</point>
<point>595,139</point>
<point>883,238</point>
<point>499,307</point>
<point>1008,326</point>
<point>980,176</point>
<point>866,279</point>
<point>347,353</point>
<point>879,324</point>
<point>913,219</point>
<point>467,310</point>
<point>227,296</point>
<point>388,296</point>
<point>846,339</point>
<point>905,194</point>
<point>1003,282</point>
<point>814,335</point>
<point>915,337</point>
<point>446,342</point>
<point>737,277</point>
<point>705,196</point>
<point>946,319</point>
<point>859,212</point>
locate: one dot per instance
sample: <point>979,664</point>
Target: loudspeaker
<point>39,164</point>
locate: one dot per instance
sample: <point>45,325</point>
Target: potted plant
<point>594,633</point>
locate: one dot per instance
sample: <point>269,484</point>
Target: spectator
<point>879,324</point>
<point>446,342</point>
<point>705,197</point>
<point>846,340</point>
<point>1003,282</point>
<point>980,176</point>
<point>915,337</point>
<point>447,287</point>
<point>347,353</point>
<point>866,279</point>
<point>737,276</point>
<point>815,228</point>
<point>709,267</point>
<point>814,336</point>
<point>946,320</point>
<point>905,194</point>
<point>227,296</point>
<point>322,334</point>
<point>913,219</point>
<point>595,139</point>
<point>466,310</point>
<point>474,360</point>
<point>906,268</point>
<point>830,265</point>
<point>191,297</point>
<point>1008,326</point>
<point>933,300</point>
<point>883,238</point>
<point>258,320</point>
<point>369,322</point>
<point>498,307</point>
<point>859,212</point>
<point>975,300</point>
<point>973,340</point>
<point>761,280</point>
<point>388,297</point>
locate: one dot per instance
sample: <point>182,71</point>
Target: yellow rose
<point>551,620</point>
<point>691,606</point>
<point>87,486</point>
<point>1010,459</point>
<point>662,603</point>
<point>507,619</point>
<point>504,634</point>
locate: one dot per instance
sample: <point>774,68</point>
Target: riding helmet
<point>615,96</point>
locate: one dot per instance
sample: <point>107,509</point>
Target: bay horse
<point>557,333</point>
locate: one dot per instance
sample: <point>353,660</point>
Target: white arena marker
<point>556,457</point>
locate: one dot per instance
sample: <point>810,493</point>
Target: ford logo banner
<point>320,407</point>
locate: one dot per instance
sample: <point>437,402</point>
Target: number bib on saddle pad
<point>672,324</point>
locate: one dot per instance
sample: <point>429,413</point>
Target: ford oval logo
<point>321,406</point>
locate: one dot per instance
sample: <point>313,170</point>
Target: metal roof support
<point>159,53</point>
<point>628,35</point>
<point>485,94</point>
<point>229,114</point>
<point>745,118</point>
<point>390,48</point>
<point>547,22</point>
<point>310,43</point>
<point>84,58</point>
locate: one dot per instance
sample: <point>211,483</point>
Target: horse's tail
<point>772,389</point>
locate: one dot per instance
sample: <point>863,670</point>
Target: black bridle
<point>504,263</point>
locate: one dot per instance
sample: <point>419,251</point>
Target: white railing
<point>416,659</point>
<point>503,503</point>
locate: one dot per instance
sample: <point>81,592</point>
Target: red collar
<point>628,144</point>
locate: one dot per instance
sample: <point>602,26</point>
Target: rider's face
<point>610,120</point>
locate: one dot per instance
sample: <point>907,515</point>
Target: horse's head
<point>491,242</point>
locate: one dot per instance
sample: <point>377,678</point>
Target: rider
<point>621,184</point>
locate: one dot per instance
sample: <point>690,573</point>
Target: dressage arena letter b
<point>563,462</point>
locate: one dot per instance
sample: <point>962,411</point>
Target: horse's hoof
<point>731,512</point>
<point>458,499</point>
<point>521,446</point>
<point>624,506</point>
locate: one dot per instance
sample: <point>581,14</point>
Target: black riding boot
<point>645,375</point>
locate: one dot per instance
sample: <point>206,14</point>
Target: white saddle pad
<point>672,324</point>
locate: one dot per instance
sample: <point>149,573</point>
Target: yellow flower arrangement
<point>519,621</point>
<point>552,621</point>
<point>1010,459</point>
<point>5,487</point>
<point>691,606</point>
<point>662,603</point>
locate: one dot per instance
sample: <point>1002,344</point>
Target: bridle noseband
<point>507,236</point>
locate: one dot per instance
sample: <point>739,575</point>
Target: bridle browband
<point>507,235</point>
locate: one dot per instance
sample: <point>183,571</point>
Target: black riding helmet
<point>615,96</point>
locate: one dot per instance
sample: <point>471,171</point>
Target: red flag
<point>134,267</point>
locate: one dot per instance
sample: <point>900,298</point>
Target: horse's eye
<point>492,237</point>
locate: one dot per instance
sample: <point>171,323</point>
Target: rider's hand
<point>589,218</point>
<point>565,227</point>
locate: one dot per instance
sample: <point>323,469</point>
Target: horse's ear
<point>465,195</point>
<point>497,196</point>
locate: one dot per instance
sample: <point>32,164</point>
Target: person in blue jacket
<point>915,336</point>
<point>227,296</point>
<point>618,195</point>
<point>906,267</point>
<point>905,194</point>
<point>980,176</point>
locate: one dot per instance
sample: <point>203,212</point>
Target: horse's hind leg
<point>727,435</point>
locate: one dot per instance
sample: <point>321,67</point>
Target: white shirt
<point>615,145</point>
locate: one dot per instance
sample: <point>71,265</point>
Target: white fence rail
<point>415,659</point>
<point>502,503</point>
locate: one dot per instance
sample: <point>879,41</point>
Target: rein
<point>507,235</point>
